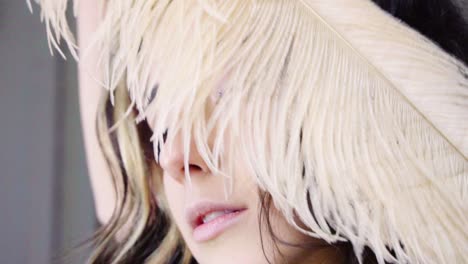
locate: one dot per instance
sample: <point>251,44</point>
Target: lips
<point>208,219</point>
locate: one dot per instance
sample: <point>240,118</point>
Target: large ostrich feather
<point>333,105</point>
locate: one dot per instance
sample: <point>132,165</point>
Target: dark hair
<point>442,21</point>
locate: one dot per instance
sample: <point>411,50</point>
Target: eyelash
<point>159,146</point>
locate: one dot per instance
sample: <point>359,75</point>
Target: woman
<point>276,131</point>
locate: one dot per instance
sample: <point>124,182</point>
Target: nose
<point>172,160</point>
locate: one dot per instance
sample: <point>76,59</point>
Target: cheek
<point>175,196</point>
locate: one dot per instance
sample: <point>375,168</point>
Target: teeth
<point>209,217</point>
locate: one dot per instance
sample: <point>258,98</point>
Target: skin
<point>89,17</point>
<point>240,243</point>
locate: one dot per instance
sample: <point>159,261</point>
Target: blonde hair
<point>375,146</point>
<point>141,220</point>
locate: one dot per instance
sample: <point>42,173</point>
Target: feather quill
<point>335,105</point>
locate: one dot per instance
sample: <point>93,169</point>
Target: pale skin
<point>238,244</point>
<point>89,90</point>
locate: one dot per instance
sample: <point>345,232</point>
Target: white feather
<point>381,111</point>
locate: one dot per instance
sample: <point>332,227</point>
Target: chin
<point>231,248</point>
<point>234,257</point>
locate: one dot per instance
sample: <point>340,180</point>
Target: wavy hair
<point>350,120</point>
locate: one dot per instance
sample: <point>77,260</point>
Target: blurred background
<point>46,204</point>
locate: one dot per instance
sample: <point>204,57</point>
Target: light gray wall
<point>45,198</point>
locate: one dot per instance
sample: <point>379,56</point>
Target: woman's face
<point>231,236</point>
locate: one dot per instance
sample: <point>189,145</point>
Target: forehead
<point>191,61</point>
<point>186,44</point>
